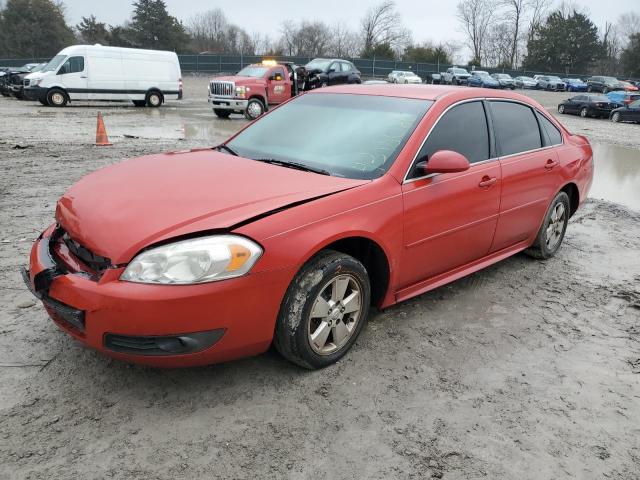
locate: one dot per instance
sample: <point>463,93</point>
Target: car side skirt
<point>459,272</point>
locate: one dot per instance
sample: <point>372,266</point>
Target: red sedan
<point>338,200</point>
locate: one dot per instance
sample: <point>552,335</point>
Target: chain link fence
<point>370,67</point>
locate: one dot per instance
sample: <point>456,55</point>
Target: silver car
<point>505,80</point>
<point>525,82</point>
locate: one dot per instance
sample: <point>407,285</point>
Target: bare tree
<point>476,17</point>
<point>208,30</point>
<point>539,11</point>
<point>344,42</point>
<point>382,24</point>
<point>498,46</point>
<point>515,11</point>
<point>628,25</point>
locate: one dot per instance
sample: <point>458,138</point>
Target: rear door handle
<point>550,164</point>
<point>487,181</point>
<point>83,76</point>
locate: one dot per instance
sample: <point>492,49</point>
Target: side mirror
<point>443,161</point>
<point>276,76</point>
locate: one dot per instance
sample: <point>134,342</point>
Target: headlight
<point>199,260</point>
<point>241,91</point>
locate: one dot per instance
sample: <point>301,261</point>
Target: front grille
<point>222,89</point>
<point>93,261</point>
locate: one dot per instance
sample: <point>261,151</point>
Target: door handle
<point>487,181</point>
<point>83,76</point>
<point>550,164</point>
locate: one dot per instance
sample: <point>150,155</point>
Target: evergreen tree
<point>630,57</point>
<point>381,50</point>
<point>34,28</point>
<point>564,42</point>
<point>91,31</point>
<point>153,27</point>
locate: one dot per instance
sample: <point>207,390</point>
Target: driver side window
<point>72,65</point>
<point>335,66</point>
<point>462,129</point>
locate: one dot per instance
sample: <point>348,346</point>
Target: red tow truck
<point>255,88</point>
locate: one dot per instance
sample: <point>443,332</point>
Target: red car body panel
<point>432,230</point>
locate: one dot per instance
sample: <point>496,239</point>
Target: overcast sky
<point>427,19</point>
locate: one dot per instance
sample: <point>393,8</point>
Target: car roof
<point>424,92</point>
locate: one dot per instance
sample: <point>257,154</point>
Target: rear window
<point>516,128</point>
<point>553,134</point>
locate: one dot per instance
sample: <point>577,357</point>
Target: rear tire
<point>220,113</point>
<point>553,228</point>
<point>57,98</point>
<point>323,311</point>
<point>153,99</point>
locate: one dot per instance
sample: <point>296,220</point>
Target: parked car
<point>505,80</point>
<point>603,84</point>
<point>11,83</point>
<point>288,232</point>
<point>323,72</point>
<point>588,105</point>
<point>628,113</point>
<point>623,98</point>
<point>628,86</point>
<point>480,78</point>
<point>551,83</point>
<point>94,72</point>
<point>406,77</point>
<point>455,76</point>
<point>255,88</point>
<point>435,78</point>
<point>575,85</point>
<point>525,82</point>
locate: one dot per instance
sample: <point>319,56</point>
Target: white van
<point>94,72</point>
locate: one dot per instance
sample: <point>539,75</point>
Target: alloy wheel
<point>335,314</point>
<point>555,227</point>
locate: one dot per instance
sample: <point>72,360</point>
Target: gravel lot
<point>525,370</point>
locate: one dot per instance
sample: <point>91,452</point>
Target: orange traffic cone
<point>101,133</point>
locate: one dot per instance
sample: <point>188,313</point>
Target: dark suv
<point>322,72</point>
<point>603,84</point>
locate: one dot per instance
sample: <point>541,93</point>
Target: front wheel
<point>323,311</point>
<point>57,98</point>
<point>255,108</point>
<point>220,113</point>
<point>552,230</point>
<point>615,117</point>
<point>589,89</point>
<point>560,108</point>
<point>584,113</point>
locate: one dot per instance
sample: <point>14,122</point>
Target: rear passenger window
<point>516,128</point>
<point>462,129</point>
<point>553,134</point>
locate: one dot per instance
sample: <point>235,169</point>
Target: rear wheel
<point>589,89</point>
<point>153,99</point>
<point>584,113</point>
<point>220,113</point>
<point>57,97</point>
<point>323,311</point>
<point>605,90</point>
<point>553,228</point>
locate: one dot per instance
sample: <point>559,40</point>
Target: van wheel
<point>323,311</point>
<point>255,108</point>
<point>153,99</point>
<point>139,103</point>
<point>57,98</point>
<point>552,230</point>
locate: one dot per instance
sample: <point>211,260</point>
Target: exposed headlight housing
<point>197,260</point>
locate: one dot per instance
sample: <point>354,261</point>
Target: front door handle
<point>487,181</point>
<point>550,164</point>
<point>83,76</point>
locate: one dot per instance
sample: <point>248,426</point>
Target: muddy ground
<point>526,370</point>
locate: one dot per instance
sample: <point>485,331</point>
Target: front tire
<point>615,117</point>
<point>560,108</point>
<point>255,108</point>
<point>57,98</point>
<point>323,311</point>
<point>220,113</point>
<point>553,228</point>
<point>584,113</point>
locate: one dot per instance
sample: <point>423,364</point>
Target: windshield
<point>611,79</point>
<point>459,70</point>
<point>353,136</point>
<point>318,65</point>
<point>54,63</point>
<point>553,79</point>
<point>38,67</point>
<point>253,71</point>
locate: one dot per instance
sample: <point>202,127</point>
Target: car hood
<point>121,209</point>
<point>238,80</point>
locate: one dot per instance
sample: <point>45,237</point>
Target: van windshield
<point>54,63</point>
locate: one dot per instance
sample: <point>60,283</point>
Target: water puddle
<point>617,175</point>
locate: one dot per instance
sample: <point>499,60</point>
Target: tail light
<point>180,84</point>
